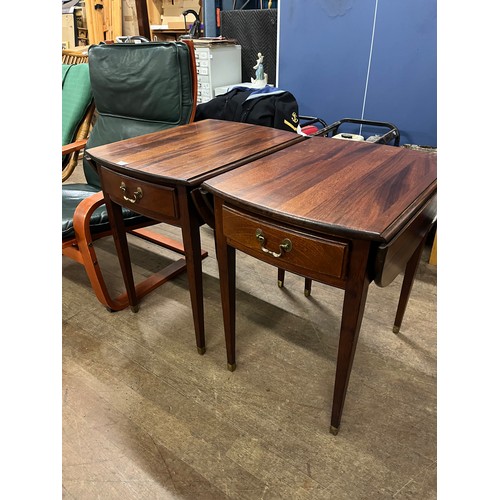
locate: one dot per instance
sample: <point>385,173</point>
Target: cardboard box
<point>179,7</point>
<point>175,22</point>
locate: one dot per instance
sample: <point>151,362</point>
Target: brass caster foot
<point>280,284</point>
<point>334,430</point>
<point>135,308</point>
<point>231,367</point>
<point>201,350</point>
<point>395,329</point>
<point>307,293</point>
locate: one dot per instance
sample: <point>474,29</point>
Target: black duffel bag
<point>267,106</point>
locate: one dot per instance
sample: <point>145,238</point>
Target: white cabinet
<point>216,65</point>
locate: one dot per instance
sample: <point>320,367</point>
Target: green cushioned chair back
<point>76,98</point>
<point>138,89</point>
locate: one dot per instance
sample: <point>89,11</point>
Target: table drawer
<point>309,255</point>
<point>157,202</point>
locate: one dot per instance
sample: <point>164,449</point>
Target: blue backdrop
<point>372,59</point>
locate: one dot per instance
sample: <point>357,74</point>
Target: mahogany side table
<point>155,174</point>
<point>340,212</point>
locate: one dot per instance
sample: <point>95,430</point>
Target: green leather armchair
<point>137,89</point>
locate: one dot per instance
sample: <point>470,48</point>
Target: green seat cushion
<point>76,98</point>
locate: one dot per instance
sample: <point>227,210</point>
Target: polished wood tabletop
<point>191,153</point>
<point>335,186</point>
<point>341,212</point>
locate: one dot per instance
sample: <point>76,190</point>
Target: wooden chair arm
<point>82,215</point>
<point>74,146</point>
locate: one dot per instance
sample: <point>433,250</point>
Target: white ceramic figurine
<point>260,77</point>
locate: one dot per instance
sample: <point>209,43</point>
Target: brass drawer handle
<point>137,194</point>
<point>285,246</point>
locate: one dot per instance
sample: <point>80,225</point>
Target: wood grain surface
<point>327,185</point>
<point>190,153</point>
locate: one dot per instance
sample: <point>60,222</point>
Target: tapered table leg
<point>226,256</point>
<point>352,315</point>
<point>307,286</point>
<point>409,278</point>
<point>192,247</point>
<point>122,251</point>
<point>281,277</point>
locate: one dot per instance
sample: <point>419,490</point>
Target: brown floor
<point>146,417</point>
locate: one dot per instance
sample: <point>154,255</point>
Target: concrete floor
<point>146,417</point>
